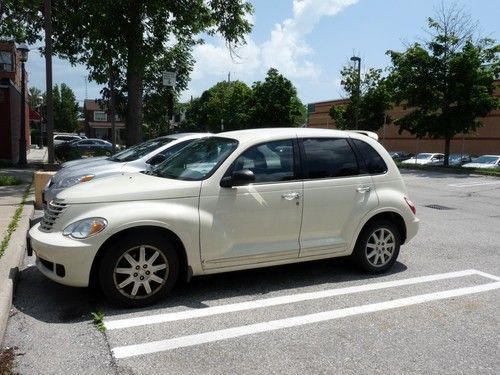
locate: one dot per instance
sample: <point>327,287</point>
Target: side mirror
<point>239,178</point>
<point>157,159</point>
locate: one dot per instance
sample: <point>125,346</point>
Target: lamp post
<point>24,50</point>
<point>358,90</point>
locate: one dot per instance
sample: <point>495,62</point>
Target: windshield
<point>140,150</point>
<point>486,159</point>
<point>198,160</point>
<point>423,156</point>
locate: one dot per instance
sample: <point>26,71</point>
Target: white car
<point>134,159</point>
<point>484,161</point>
<point>61,138</point>
<point>237,200</point>
<point>425,158</point>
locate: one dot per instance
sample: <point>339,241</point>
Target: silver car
<point>135,159</point>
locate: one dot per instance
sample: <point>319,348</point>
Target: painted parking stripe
<point>472,184</point>
<point>207,337</point>
<point>275,301</point>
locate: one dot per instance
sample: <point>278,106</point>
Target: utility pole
<point>48,74</point>
<point>358,91</point>
<point>112,108</point>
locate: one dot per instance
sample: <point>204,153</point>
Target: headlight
<point>70,181</point>
<point>85,228</point>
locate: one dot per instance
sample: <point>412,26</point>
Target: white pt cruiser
<point>237,200</point>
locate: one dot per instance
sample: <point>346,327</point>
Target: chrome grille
<point>53,210</point>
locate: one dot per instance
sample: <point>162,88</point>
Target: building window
<point>100,116</point>
<point>6,62</point>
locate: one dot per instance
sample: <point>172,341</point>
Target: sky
<point>308,41</point>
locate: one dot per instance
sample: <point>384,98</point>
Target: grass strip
<point>15,220</point>
<point>458,170</point>
<point>9,181</point>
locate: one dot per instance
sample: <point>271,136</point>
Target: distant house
<point>10,102</point>
<point>98,124</point>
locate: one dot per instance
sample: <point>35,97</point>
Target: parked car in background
<point>61,138</point>
<point>232,201</point>
<point>79,148</point>
<point>133,159</point>
<point>457,160</point>
<point>484,161</point>
<point>400,155</point>
<point>426,158</point>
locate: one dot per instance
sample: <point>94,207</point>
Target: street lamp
<point>358,90</point>
<point>24,50</point>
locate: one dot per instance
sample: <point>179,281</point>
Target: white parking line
<point>275,301</point>
<point>472,184</point>
<point>202,338</point>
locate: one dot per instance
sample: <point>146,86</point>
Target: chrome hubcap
<point>380,247</point>
<point>141,272</point>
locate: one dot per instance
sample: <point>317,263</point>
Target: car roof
<point>271,133</point>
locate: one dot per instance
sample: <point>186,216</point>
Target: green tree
<point>129,37</point>
<point>65,109</point>
<point>372,103</point>
<point>275,102</point>
<point>35,98</point>
<point>447,82</point>
<point>225,106</point>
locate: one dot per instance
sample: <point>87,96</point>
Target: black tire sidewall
<point>116,250</point>
<point>359,253</point>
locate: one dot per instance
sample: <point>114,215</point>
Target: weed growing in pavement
<point>7,365</point>
<point>98,318</point>
<point>15,220</point>
<point>9,181</point>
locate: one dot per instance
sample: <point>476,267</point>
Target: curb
<point>10,262</point>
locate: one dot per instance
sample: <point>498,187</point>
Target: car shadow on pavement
<point>47,301</point>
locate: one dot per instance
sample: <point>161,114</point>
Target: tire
<point>148,268</point>
<point>377,247</point>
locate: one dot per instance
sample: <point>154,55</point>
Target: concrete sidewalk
<point>10,198</point>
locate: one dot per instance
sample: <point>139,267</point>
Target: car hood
<point>85,161</point>
<point>102,167</point>
<point>129,187</point>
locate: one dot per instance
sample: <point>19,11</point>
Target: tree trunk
<point>447,142</point>
<point>134,75</point>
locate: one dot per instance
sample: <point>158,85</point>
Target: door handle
<point>364,189</point>
<point>290,196</point>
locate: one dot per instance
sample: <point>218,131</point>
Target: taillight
<point>412,206</point>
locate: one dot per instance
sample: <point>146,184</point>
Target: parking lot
<point>436,311</point>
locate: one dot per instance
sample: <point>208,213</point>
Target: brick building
<point>97,122</point>
<point>10,102</point>
<point>485,141</point>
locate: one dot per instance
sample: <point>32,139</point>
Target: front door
<point>257,223</point>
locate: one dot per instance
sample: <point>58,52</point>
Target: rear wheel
<point>138,271</point>
<point>377,247</point>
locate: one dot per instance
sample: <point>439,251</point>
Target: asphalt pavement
<point>436,311</point>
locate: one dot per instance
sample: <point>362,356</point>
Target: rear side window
<point>329,157</point>
<point>373,161</point>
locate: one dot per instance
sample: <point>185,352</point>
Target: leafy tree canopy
<point>134,40</point>
<point>447,83</point>
<point>371,104</point>
<point>275,102</point>
<point>65,109</point>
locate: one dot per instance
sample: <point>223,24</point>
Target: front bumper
<point>62,259</point>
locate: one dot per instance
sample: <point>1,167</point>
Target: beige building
<point>486,140</point>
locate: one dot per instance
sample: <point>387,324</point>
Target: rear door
<point>338,192</point>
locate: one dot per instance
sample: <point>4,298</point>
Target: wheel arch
<point>391,216</point>
<point>184,271</point>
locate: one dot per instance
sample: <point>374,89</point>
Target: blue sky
<point>306,40</point>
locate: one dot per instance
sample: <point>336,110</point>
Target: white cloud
<point>286,49</point>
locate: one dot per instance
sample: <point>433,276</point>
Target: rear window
<point>373,161</point>
<point>329,157</point>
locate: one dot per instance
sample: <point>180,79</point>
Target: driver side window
<point>269,162</point>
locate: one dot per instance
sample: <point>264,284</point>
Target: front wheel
<point>138,270</point>
<point>377,247</point>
